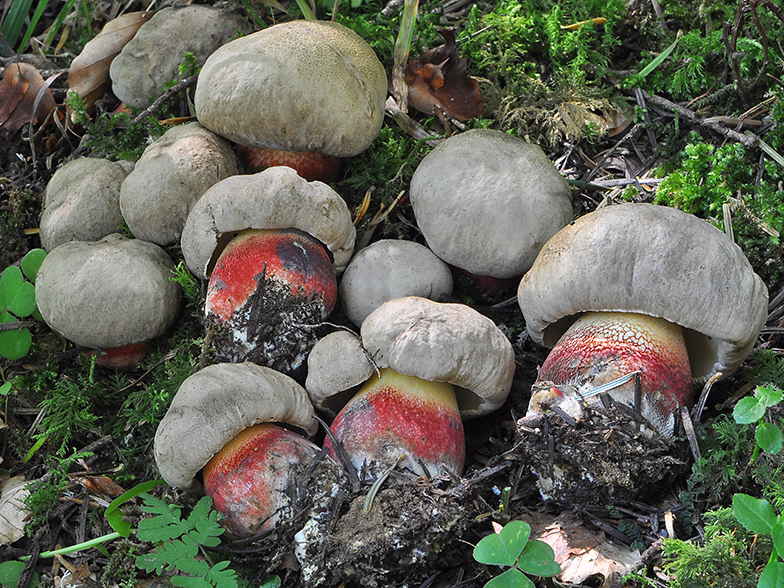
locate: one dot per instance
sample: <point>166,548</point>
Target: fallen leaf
<point>583,552</point>
<point>101,485</point>
<point>439,78</point>
<point>19,91</point>
<point>13,512</point>
<point>90,69</point>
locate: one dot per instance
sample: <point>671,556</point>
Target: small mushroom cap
<point>651,260</point>
<point>276,198</point>
<point>170,177</point>
<point>81,202</point>
<point>109,293</point>
<point>486,202</point>
<point>390,269</point>
<point>336,364</point>
<point>213,405</point>
<point>295,86</point>
<point>439,342</point>
<point>152,58</point>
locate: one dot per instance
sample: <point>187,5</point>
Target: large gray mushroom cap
<point>295,86</point>
<point>390,269</point>
<point>170,177</point>
<point>213,405</point>
<point>152,58</point>
<point>81,201</point>
<point>434,341</point>
<point>109,293</point>
<point>651,260</point>
<point>487,202</point>
<point>276,198</point>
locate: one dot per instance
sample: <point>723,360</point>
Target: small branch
<point>16,325</point>
<point>749,141</point>
<point>178,87</point>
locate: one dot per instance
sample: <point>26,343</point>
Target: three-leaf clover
<point>17,301</point>
<point>513,548</point>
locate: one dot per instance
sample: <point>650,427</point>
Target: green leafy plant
<point>513,548</point>
<point>752,409</point>
<point>758,516</point>
<point>180,541</point>
<point>17,302</point>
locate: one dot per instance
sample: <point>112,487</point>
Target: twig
<point>749,141</point>
<point>16,325</point>
<point>178,87</point>
<point>643,562</point>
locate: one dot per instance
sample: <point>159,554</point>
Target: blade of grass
<point>660,57</point>
<point>14,21</point>
<point>58,22</point>
<point>39,11</point>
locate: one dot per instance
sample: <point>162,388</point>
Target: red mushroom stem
<point>601,347</point>
<point>310,165</point>
<point>248,478</point>
<point>395,414</point>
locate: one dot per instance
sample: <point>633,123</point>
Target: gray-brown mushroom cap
<point>390,269</point>
<point>651,260</point>
<point>81,201</point>
<point>440,342</point>
<point>213,405</point>
<point>295,86</point>
<point>276,198</point>
<point>108,293</point>
<point>486,202</point>
<point>171,175</point>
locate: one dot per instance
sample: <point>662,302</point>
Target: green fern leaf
<point>168,556</point>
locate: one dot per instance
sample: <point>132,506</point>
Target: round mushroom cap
<point>435,341</point>
<point>486,202</point>
<point>171,175</point>
<point>337,366</point>
<point>295,86</point>
<point>81,202</point>
<point>276,198</point>
<point>390,269</point>
<point>152,58</point>
<point>108,293</point>
<point>651,260</point>
<point>213,405</point>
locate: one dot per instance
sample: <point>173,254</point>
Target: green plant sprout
<point>752,409</point>
<point>17,301</point>
<point>181,540</point>
<point>758,516</point>
<point>513,548</point>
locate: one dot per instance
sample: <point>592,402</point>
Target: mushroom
<point>390,269</point>
<point>311,87</point>
<point>436,362</point>
<point>171,175</point>
<point>81,201</point>
<point>225,422</point>
<point>153,57</point>
<point>260,281</point>
<point>638,292</point>
<point>486,202</point>
<point>109,294</point>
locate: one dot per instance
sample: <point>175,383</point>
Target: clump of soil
<point>601,459</point>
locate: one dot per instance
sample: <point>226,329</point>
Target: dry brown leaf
<point>582,552</point>
<point>13,512</point>
<point>19,89</point>
<point>440,78</point>
<point>90,69</point>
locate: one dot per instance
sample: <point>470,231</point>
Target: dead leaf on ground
<point>13,512</point>
<point>582,552</point>
<point>440,77</point>
<point>19,90</point>
<point>90,69</point>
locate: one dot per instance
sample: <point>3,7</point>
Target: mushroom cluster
<point>664,299</point>
<point>420,366</point>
